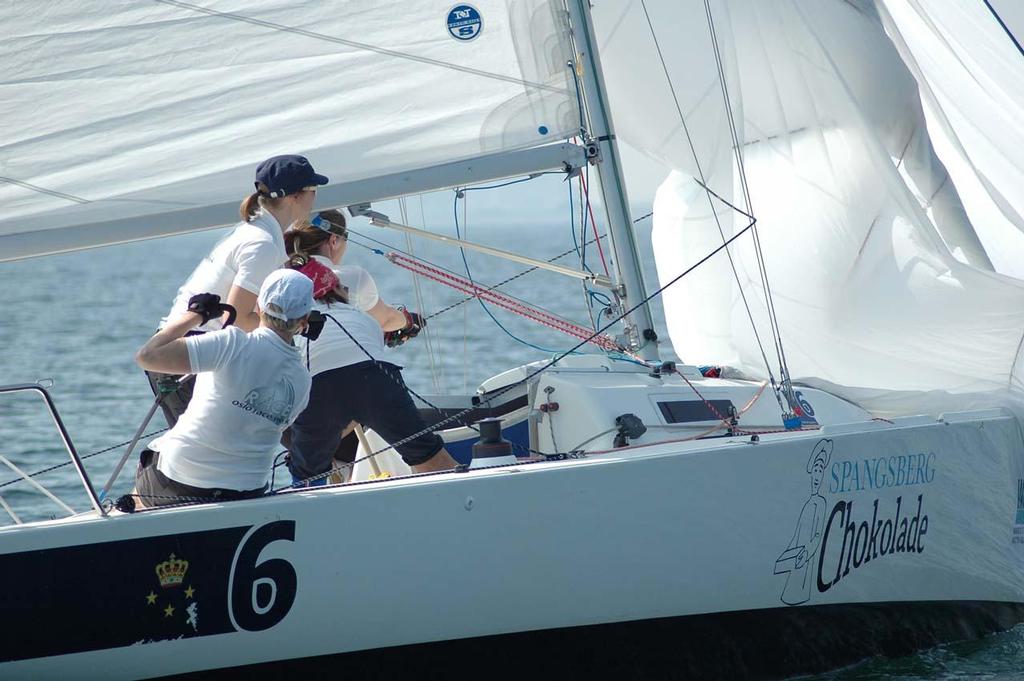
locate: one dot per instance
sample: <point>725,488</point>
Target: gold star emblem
<point>189,592</point>
<point>169,610</point>
<point>151,598</point>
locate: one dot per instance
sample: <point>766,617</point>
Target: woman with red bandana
<point>352,382</point>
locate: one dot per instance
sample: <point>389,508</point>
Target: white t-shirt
<point>249,388</point>
<point>334,349</point>
<point>243,258</point>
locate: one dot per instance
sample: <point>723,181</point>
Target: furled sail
<point>882,289</point>
<point>143,119</point>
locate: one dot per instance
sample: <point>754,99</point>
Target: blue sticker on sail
<point>464,22</point>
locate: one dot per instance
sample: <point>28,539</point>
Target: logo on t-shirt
<point>274,403</point>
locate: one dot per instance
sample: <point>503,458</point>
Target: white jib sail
<point>970,69</point>
<point>124,120</point>
<point>867,249</point>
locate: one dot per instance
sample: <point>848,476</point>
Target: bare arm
<point>166,351</point>
<point>389,318</point>
<point>245,303</point>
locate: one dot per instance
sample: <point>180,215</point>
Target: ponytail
<point>295,261</point>
<point>304,239</point>
<point>293,247</point>
<point>250,207</point>
<point>255,202</point>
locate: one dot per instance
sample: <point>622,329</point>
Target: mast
<point>639,323</point>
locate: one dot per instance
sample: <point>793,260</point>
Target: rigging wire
<point>711,203</point>
<point>504,301</point>
<point>484,401</point>
<point>493,287</point>
<point>590,294</point>
<point>468,298</point>
<point>487,399</point>
<point>427,333</point>
<point>584,183</point>
<point>465,310</point>
<point>582,255</point>
<point>758,251</point>
<point>82,457</point>
<point>461,193</point>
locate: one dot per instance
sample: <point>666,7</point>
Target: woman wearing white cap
<point>249,388</point>
<point>238,264</point>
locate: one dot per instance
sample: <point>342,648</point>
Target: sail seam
<point>44,190</point>
<point>361,46</point>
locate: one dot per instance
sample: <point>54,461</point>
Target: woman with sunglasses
<point>325,240</point>
<point>236,267</point>
<point>352,380</point>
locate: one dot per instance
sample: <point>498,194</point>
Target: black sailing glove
<point>414,323</point>
<point>206,305</point>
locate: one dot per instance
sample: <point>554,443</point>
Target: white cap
<point>290,291</point>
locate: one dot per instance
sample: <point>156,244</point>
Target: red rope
<point>503,301</point>
<point>600,250</point>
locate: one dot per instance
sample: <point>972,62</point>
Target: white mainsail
<point>131,120</point>
<point>882,290</point>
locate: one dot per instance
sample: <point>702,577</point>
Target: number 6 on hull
<point>261,594</point>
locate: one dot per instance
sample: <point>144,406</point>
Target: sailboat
<point>859,493</point>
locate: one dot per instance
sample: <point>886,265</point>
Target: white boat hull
<point>660,531</point>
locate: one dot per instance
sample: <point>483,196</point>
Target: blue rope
<point>618,357</point>
<point>600,297</point>
<point>506,184</point>
<point>465,262</point>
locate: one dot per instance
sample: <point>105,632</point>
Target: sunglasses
<point>329,227</point>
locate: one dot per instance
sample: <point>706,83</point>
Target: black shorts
<point>370,393</point>
<point>156,489</point>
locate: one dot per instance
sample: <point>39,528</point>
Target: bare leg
<point>138,501</point>
<point>442,461</point>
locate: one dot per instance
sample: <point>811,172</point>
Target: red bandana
<point>324,278</point>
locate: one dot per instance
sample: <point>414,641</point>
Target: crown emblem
<point>172,571</point>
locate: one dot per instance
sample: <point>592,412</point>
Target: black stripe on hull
<point>757,644</point>
<point>104,595</point>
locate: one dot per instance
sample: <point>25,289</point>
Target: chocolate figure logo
<point>797,560</point>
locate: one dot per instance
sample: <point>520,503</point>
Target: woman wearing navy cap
<point>238,264</point>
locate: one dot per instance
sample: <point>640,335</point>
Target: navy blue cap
<point>287,174</point>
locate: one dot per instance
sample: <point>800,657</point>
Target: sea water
<point>78,319</point>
